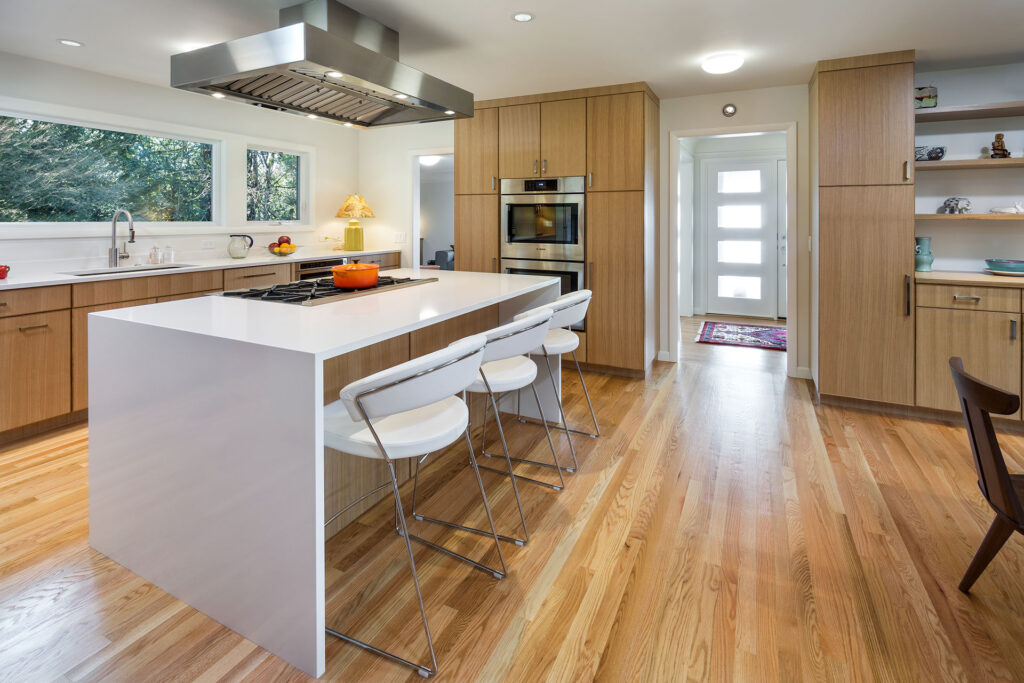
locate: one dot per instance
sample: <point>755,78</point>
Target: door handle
<point>1013,329</point>
<point>33,327</point>
<point>906,285</point>
<point>534,167</point>
<point>906,170</point>
<point>590,180</point>
<point>958,297</point>
<point>544,167</point>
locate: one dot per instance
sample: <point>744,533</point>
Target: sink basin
<point>127,269</point>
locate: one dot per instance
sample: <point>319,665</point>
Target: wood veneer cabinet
<point>519,141</point>
<point>35,356</point>
<point>615,142</point>
<point>476,233</point>
<point>476,153</point>
<point>543,139</point>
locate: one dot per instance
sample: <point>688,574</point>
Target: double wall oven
<point>542,229</point>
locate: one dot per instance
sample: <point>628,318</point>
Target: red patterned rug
<point>729,334</point>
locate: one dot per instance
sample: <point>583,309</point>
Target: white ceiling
<point>570,43</point>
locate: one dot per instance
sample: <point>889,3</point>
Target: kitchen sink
<point>127,269</point>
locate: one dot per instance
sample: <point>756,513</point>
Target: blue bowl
<point>1005,264</point>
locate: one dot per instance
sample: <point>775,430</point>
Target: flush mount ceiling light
<point>68,42</point>
<point>334,74</point>
<point>429,160</point>
<point>522,17</point>
<point>729,110</point>
<point>219,95</point>
<point>724,63</point>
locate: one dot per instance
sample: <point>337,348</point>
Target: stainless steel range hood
<point>288,69</point>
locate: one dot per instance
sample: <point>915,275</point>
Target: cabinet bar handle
<point>492,182</point>
<point>544,167</point>
<point>3,303</point>
<point>33,327</point>
<point>906,170</point>
<point>958,297</point>
<point>1013,329</point>
<point>906,292</point>
<point>534,167</point>
<point>260,274</point>
<point>590,180</point>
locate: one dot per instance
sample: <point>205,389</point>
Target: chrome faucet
<point>118,255</point>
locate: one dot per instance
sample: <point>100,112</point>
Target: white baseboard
<point>665,356</point>
<point>802,373</point>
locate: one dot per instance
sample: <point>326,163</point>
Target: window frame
<point>303,183</point>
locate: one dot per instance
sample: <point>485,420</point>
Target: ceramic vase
<point>923,254</point>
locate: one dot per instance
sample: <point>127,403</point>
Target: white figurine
<point>1016,208</point>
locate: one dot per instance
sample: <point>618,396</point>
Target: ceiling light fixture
<point>219,95</point>
<point>68,42</point>
<point>430,160</point>
<point>449,112</point>
<point>312,116</point>
<point>334,74</point>
<point>724,63</point>
<point>729,110</point>
<point>522,17</point>
<point>401,96</point>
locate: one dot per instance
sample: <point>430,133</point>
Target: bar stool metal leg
<point>554,453</point>
<point>597,430</point>
<point>561,410</point>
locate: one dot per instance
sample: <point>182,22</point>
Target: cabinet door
<point>519,141</point>
<point>476,153</point>
<point>257,276</point>
<point>866,126</point>
<point>615,267</point>
<point>865,307</point>
<point>615,142</point>
<point>476,233</point>
<point>563,138</point>
<point>80,347</point>
<point>35,372</point>
<point>988,342</point>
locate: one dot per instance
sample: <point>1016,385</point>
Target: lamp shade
<point>355,207</point>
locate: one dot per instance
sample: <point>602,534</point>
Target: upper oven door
<point>542,226</point>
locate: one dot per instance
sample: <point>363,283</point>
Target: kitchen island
<point>207,472</point>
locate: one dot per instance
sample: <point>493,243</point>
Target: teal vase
<point>923,258</point>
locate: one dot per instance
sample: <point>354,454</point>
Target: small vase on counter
<point>923,258</point>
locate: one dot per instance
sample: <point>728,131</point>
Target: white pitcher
<point>239,246</point>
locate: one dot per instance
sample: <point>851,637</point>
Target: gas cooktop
<point>322,291</point>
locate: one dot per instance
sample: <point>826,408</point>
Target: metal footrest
<point>558,427</point>
<point>520,477</point>
<point>420,669</point>
<point>482,567</point>
<point>508,539</point>
<point>530,462</point>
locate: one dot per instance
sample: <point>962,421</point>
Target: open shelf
<point>970,111</point>
<point>969,217</point>
<point>957,164</point>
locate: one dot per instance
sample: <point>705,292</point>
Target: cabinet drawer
<point>257,276</point>
<point>34,300</point>
<point>969,298</point>
<point>130,289</point>
<point>35,372</point>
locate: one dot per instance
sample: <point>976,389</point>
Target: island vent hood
<point>326,61</point>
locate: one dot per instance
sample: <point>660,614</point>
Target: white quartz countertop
<point>41,274</point>
<point>329,330</point>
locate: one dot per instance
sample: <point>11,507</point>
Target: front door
<point>740,215</point>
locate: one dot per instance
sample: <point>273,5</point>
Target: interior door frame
<point>678,247</point>
<point>414,164</point>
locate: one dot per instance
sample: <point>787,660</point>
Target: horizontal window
<point>56,172</point>
<point>272,186</point>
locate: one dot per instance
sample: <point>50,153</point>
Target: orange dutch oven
<point>355,275</point>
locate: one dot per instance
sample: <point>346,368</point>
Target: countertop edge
<point>968,278</point>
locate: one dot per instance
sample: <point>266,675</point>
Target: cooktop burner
<point>322,291</point>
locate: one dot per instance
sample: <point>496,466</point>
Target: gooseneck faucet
<point>117,255</point>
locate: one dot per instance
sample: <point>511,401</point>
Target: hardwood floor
<point>723,527</point>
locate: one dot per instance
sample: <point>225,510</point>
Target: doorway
<point>436,210</point>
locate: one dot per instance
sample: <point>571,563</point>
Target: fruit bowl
<point>282,247</point>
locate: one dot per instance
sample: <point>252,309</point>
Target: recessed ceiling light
<point>68,42</point>
<point>219,95</point>
<point>429,160</point>
<point>522,17</point>
<point>449,112</point>
<point>729,110</point>
<point>312,116</point>
<point>334,74</point>
<point>401,96</point>
<point>348,125</point>
<point>724,63</point>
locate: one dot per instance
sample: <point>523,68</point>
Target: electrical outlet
<point>399,238</point>
<point>207,244</point>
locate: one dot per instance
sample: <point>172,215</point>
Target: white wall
<point>437,209</point>
<point>386,178</point>
<point>44,89</point>
<point>756,110</point>
<point>964,245</point>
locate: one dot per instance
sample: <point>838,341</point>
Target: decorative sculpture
<point>999,150</point>
<point>1017,207</point>
<point>956,205</point>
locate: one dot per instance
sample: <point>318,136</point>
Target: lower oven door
<point>569,272</point>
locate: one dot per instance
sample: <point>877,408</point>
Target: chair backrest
<point>519,337</point>
<point>978,400</point>
<point>445,259</point>
<point>567,309</point>
<point>417,382</point>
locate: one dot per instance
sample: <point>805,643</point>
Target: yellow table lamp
<point>354,208</point>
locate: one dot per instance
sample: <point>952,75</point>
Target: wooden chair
<point>1002,490</point>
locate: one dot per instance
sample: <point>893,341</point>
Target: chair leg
<point>586,394</point>
<point>1000,530</point>
<point>561,411</point>
<point>422,670</point>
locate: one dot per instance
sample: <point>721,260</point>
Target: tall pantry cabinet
<point>862,138</point>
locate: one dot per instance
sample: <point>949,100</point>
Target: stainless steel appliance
<point>321,291</point>
<point>571,273</point>
<point>325,61</point>
<point>542,218</point>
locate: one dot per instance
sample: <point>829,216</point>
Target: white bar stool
<point>567,310</point>
<point>506,368</point>
<point>409,411</point>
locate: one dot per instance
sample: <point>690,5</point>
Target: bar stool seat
<point>558,341</point>
<point>405,435</point>
<point>505,375</point>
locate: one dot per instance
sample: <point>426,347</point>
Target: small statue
<point>956,205</point>
<point>1017,208</point>
<point>999,150</point>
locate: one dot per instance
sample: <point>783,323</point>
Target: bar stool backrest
<point>519,337</point>
<point>567,309</point>
<point>417,382</point>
